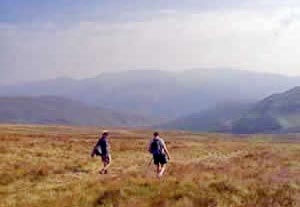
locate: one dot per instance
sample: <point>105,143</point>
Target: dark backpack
<point>156,147</point>
<point>98,150</point>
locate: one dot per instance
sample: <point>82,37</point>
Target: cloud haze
<point>260,37</point>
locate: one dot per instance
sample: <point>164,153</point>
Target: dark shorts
<point>160,159</point>
<point>105,158</point>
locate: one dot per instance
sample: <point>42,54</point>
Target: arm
<point>166,150</point>
<point>149,146</point>
<point>105,147</point>
<point>93,152</point>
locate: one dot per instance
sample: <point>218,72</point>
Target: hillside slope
<point>217,119</point>
<point>57,110</point>
<point>279,113</point>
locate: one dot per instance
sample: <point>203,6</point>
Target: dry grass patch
<point>45,166</point>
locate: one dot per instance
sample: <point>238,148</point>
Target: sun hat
<point>105,132</point>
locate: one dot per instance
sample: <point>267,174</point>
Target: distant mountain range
<point>57,110</point>
<point>166,95</point>
<point>192,100</point>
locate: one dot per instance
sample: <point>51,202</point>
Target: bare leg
<point>158,169</point>
<point>106,165</point>
<point>162,170</point>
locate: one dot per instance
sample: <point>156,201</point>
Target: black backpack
<point>98,150</point>
<point>156,147</point>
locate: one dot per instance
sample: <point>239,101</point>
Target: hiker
<point>102,149</point>
<point>159,151</point>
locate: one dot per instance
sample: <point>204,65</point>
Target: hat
<point>105,132</point>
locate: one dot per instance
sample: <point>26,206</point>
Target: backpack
<point>156,147</point>
<point>98,150</point>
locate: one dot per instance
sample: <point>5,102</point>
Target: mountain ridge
<point>61,110</point>
<point>278,113</point>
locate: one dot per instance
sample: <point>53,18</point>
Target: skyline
<point>78,39</point>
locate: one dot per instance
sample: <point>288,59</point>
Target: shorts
<point>106,158</point>
<point>160,159</point>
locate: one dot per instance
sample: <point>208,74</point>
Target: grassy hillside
<point>217,119</point>
<point>47,166</point>
<point>279,113</point>
<point>57,110</point>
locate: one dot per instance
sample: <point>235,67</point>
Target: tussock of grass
<point>43,166</point>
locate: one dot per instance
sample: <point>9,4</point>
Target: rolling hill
<point>278,113</point>
<point>217,119</point>
<point>58,110</point>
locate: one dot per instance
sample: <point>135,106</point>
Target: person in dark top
<point>102,149</point>
<point>158,149</point>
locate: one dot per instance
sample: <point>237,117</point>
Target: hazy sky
<point>42,39</point>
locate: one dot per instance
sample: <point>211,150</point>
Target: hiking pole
<point>150,161</point>
<point>147,167</point>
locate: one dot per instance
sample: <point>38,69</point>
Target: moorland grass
<point>43,166</point>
